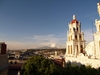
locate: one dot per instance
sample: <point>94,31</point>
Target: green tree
<point>38,65</point>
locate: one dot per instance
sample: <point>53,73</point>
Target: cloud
<point>36,41</point>
<point>50,40</point>
<point>53,45</point>
<point>18,45</point>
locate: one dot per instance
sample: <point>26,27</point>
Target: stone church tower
<point>75,39</point>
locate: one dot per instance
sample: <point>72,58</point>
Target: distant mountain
<point>47,47</point>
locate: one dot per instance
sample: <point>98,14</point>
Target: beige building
<point>3,60</point>
<point>75,39</point>
<point>76,51</point>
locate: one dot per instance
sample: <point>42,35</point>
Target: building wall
<point>3,59</point>
<point>3,64</point>
<point>4,71</point>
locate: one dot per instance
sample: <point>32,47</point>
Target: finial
<point>74,17</point>
<point>98,8</point>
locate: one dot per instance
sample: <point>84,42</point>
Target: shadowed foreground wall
<point>3,64</point>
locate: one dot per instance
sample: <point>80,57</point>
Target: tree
<point>38,65</point>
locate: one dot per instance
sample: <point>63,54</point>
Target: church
<point>76,49</point>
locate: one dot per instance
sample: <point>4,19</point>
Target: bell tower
<point>75,38</point>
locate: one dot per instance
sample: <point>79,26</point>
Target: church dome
<point>74,20</point>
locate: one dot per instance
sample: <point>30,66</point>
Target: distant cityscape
<point>16,58</point>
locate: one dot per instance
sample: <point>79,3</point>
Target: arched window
<point>77,29</point>
<point>77,49</point>
<point>69,38</point>
<point>71,49</point>
<point>68,49</point>
<point>75,37</point>
<point>80,37</point>
<point>81,48</point>
<point>73,29</point>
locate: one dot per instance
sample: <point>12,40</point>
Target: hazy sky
<point>36,23</point>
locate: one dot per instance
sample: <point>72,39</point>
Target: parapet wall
<point>3,64</point>
<point>4,71</point>
<point>95,63</point>
<point>3,60</point>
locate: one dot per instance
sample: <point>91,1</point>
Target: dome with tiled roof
<point>74,20</point>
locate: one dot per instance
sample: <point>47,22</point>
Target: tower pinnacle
<point>74,17</point>
<point>98,7</point>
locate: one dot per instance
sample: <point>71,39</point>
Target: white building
<point>75,39</point>
<point>76,50</point>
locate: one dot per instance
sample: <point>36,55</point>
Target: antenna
<point>92,27</point>
<point>93,37</point>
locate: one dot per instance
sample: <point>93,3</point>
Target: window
<point>75,37</point>
<point>68,38</point>
<point>73,29</point>
<point>77,28</point>
<point>77,49</point>
<point>81,48</point>
<point>71,49</point>
<point>80,37</point>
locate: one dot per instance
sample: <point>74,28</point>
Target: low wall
<point>3,60</point>
<point>4,71</point>
<point>3,64</point>
<point>95,63</point>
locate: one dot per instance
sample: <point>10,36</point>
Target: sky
<point>28,24</point>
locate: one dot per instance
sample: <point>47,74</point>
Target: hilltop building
<point>76,49</point>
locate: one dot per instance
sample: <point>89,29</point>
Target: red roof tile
<point>74,21</point>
